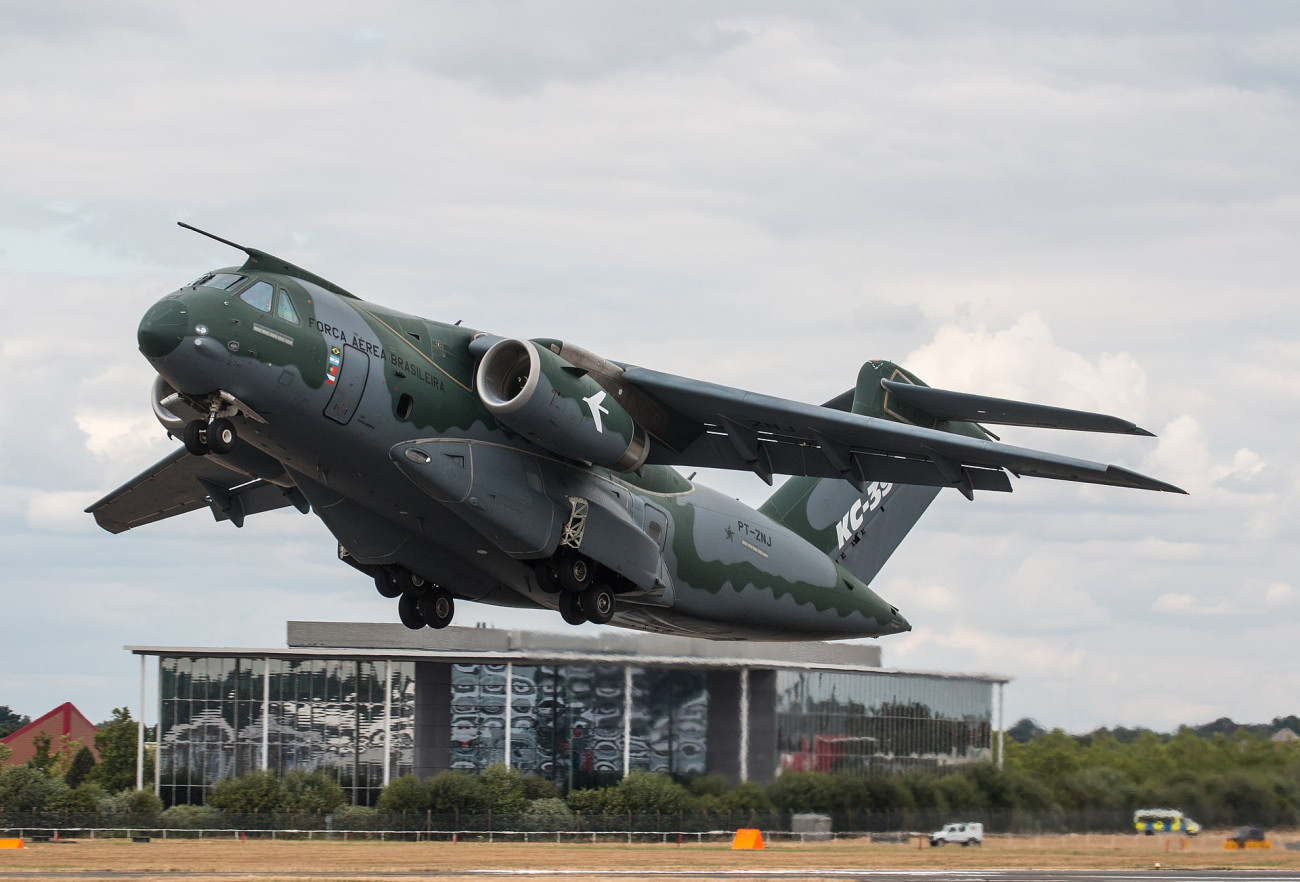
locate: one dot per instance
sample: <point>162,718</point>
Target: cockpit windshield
<point>221,281</point>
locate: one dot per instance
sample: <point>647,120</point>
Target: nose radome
<point>163,327</point>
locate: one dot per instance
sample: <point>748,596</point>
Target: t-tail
<point>859,524</point>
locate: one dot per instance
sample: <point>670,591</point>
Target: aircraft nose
<point>163,327</point>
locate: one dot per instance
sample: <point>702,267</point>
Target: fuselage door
<point>656,524</point>
<point>349,382</point>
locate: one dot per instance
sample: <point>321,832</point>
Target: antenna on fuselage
<point>215,237</point>
<point>260,260</point>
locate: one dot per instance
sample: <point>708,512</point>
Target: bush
<point>310,793</point>
<point>144,806</point>
<point>405,794</point>
<point>548,815</point>
<point>81,800</point>
<point>646,792</point>
<point>594,802</point>
<point>503,789</point>
<point>24,788</point>
<point>191,817</point>
<point>354,817</point>
<point>256,792</point>
<point>451,792</point>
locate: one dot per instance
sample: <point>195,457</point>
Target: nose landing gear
<point>202,437</point>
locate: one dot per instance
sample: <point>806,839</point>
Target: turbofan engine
<point>557,405</point>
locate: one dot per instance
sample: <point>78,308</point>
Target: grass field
<point>177,859</point>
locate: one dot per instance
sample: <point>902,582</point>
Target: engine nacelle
<point>534,392</point>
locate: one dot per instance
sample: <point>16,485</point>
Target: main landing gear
<point>583,595</point>
<point>420,602</point>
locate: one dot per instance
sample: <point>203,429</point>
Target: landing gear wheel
<point>546,579</point>
<point>574,572</point>
<point>598,603</point>
<point>411,583</point>
<point>571,608</point>
<point>221,436</point>
<point>196,437</point>
<point>409,613</point>
<point>386,584</point>
<point>436,607</point>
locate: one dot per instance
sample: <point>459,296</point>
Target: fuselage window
<point>222,281</point>
<point>284,308</point>
<point>259,296</point>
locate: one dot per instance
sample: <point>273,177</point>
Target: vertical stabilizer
<point>859,530</point>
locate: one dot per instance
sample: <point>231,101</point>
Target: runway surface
<point>574,875</point>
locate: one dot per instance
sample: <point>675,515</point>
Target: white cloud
<point>1092,208</point>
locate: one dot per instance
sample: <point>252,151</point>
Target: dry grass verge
<point>175,859</point>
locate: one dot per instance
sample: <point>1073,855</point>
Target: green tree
<point>116,740</point>
<point>83,763</point>
<point>11,722</point>
<point>42,759</point>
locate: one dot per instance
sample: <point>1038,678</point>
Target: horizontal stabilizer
<point>945,405</point>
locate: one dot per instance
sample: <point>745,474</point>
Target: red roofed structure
<point>63,720</point>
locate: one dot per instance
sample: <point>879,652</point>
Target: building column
<point>388,720</point>
<point>266,713</point>
<point>744,724</point>
<point>510,693</point>
<point>432,717</point>
<point>139,741</point>
<point>1001,726</point>
<point>627,720</point>
<point>761,754</point>
<point>723,739</point>
<point>157,741</point>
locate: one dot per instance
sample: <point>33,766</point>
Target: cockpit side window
<point>222,281</point>
<point>259,295</point>
<point>284,308</point>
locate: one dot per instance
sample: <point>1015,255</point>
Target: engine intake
<point>534,392</point>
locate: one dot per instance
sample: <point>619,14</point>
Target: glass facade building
<point>225,716</point>
<point>578,713</point>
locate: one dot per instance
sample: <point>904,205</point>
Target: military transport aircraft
<point>453,464</point>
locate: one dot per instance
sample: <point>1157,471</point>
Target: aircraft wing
<point>181,483</point>
<point>720,427</point>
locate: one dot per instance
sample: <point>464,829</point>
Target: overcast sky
<point>1088,204</point>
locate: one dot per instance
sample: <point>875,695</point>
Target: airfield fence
<point>352,822</point>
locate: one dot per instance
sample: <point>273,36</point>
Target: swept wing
<point>712,426</point>
<point>182,482</point>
